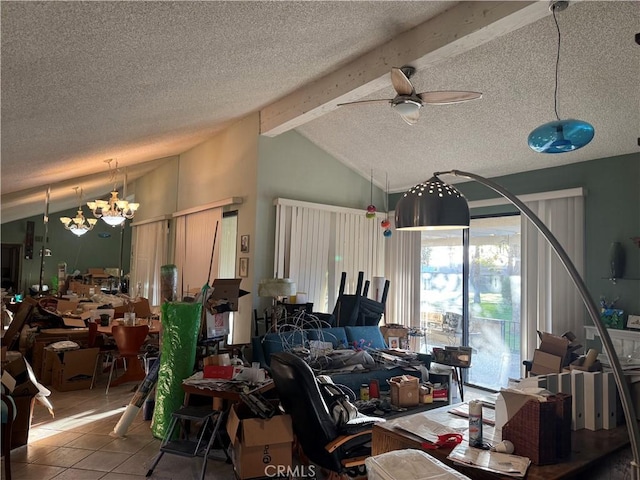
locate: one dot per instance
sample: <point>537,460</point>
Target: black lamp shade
<point>432,205</point>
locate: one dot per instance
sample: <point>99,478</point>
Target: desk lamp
<point>435,205</point>
<point>276,288</point>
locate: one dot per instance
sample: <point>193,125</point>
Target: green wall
<point>612,214</point>
<point>290,166</point>
<point>79,253</point>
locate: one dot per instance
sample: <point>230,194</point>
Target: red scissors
<point>448,440</point>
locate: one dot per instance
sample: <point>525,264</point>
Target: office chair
<point>337,448</point>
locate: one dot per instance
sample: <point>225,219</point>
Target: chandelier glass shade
<point>114,211</point>
<point>78,225</point>
<point>560,136</point>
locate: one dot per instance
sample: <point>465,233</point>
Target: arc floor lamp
<point>435,205</point>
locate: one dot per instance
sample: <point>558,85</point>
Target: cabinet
<point>625,342</point>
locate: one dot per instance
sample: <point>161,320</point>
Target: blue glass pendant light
<point>560,136</point>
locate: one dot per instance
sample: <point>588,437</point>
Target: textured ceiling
<point>142,81</point>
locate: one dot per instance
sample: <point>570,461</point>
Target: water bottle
<point>475,424</point>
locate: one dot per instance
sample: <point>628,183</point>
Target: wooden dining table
<point>155,325</point>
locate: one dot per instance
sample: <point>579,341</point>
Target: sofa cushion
<point>336,335</point>
<point>279,342</point>
<point>365,337</point>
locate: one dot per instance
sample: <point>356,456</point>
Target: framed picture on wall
<point>243,267</point>
<point>244,243</point>
<point>633,321</point>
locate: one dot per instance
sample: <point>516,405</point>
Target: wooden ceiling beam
<point>457,30</point>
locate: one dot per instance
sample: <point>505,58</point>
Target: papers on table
<point>502,463</point>
<point>428,429</point>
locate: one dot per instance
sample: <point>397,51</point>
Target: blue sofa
<point>360,337</point>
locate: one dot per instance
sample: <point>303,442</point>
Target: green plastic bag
<point>180,329</point>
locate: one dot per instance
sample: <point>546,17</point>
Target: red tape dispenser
<point>448,440</point>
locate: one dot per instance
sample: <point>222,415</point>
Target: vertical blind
<point>315,243</point>
<point>195,235</point>
<point>550,300</point>
<point>149,249</point>
<point>403,271</point>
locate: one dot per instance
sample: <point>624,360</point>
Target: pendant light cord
<point>555,92</point>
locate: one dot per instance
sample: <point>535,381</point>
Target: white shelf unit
<point>625,342</point>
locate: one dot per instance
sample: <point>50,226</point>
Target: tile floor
<point>77,445</point>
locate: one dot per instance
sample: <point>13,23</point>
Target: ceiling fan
<point>408,103</point>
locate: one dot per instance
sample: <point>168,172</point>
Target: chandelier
<point>78,225</point>
<point>114,211</point>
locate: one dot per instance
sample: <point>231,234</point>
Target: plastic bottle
<point>475,424</point>
<point>364,392</point>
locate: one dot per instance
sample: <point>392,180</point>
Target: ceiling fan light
<point>407,107</point>
<point>561,136</point>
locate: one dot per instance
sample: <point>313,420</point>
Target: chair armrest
<point>342,439</point>
<point>354,461</point>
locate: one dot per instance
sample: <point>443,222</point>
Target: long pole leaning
<point>592,309</point>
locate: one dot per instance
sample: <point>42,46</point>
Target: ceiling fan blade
<point>400,82</point>
<point>448,97</point>
<point>385,100</point>
<point>411,118</point>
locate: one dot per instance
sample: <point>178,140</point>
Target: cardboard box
<point>21,371</point>
<point>226,290</point>
<point>259,446</point>
<point>222,359</point>
<point>453,356</point>
<point>141,308</point>
<point>553,354</point>
<point>37,355</point>
<point>22,422</point>
<point>405,391</point>
<point>71,370</point>
<point>396,331</point>
<point>67,306</point>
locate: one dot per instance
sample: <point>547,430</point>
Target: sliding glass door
<point>492,328</point>
<point>494,300</point>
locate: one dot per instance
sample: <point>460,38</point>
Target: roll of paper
<point>125,421</point>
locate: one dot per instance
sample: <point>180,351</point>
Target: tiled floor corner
<point>76,444</point>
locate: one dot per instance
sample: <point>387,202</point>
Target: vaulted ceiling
<point>83,82</point>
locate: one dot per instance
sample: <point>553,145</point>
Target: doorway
<point>11,263</point>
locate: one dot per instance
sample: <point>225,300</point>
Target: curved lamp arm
<point>623,387</point>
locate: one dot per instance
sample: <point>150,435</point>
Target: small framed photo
<point>394,342</point>
<point>244,243</point>
<point>243,267</point>
<point>633,322</point>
